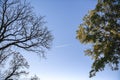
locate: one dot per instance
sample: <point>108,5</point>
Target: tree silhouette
<point>4,55</point>
<point>20,27</point>
<point>16,65</point>
<point>101,27</point>
<point>35,78</point>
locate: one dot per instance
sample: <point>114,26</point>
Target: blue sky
<point>66,59</point>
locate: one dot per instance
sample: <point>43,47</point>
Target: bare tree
<point>21,28</point>
<point>16,66</point>
<point>35,78</point>
<point>4,55</point>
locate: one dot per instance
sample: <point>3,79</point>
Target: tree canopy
<point>101,28</point>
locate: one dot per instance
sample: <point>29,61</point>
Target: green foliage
<point>101,27</point>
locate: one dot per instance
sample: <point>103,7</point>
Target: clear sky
<point>66,59</point>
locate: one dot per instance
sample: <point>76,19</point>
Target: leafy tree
<point>101,27</point>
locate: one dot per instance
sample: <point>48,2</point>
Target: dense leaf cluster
<point>101,27</point>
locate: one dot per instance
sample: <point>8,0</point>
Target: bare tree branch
<point>4,55</point>
<point>17,63</point>
<point>21,28</point>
